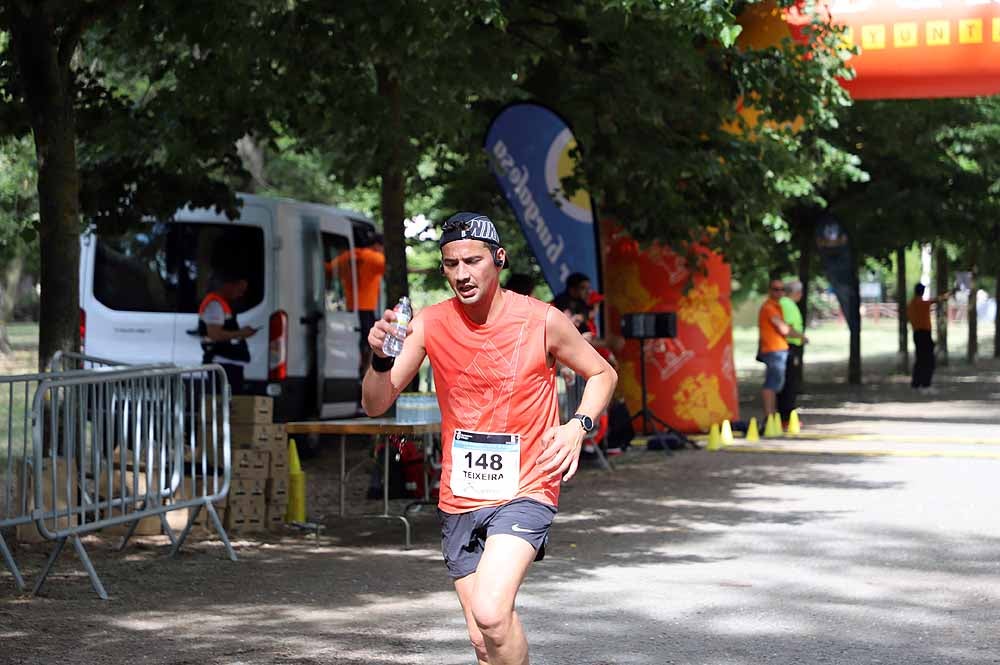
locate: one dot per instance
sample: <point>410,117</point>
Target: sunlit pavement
<point>725,558</point>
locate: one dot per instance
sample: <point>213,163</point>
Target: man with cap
<point>505,452</point>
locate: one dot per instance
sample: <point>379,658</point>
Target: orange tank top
<point>494,378</point>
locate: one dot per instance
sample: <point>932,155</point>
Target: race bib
<point>485,465</point>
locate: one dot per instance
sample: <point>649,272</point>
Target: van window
<point>170,267</point>
<point>339,292</point>
<point>131,272</point>
<point>205,255</point>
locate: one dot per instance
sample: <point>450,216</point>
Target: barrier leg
<point>11,566</point>
<point>48,565</point>
<point>406,525</point>
<point>128,534</point>
<point>192,516</point>
<point>95,581</point>
<point>222,532</point>
<point>166,529</point>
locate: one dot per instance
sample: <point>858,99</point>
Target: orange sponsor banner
<point>922,48</point>
<point>690,380</point>
<point>909,49</point>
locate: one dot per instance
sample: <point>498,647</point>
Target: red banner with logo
<point>690,380</point>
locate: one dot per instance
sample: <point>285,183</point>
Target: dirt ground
<point>735,557</point>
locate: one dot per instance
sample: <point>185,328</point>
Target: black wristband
<point>380,364</point>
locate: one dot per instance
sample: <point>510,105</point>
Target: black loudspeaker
<point>649,325</point>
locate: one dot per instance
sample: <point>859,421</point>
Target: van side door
<point>340,346</point>
<point>329,317</point>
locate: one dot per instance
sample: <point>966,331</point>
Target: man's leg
<point>488,600</point>
<point>790,391</point>
<point>925,359</point>
<point>931,360</point>
<point>769,400</point>
<point>466,587</point>
<point>234,374</point>
<point>918,360</point>
<point>783,398</point>
<point>774,379</point>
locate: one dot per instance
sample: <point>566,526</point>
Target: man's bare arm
<point>380,389</point>
<point>783,328</point>
<point>565,343</point>
<point>219,334</point>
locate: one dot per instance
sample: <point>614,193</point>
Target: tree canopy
<point>137,108</point>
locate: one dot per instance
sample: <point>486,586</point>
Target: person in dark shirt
<point>576,295</point>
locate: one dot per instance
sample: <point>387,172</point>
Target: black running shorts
<point>463,535</point>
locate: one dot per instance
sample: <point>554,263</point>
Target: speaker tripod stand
<point>647,415</point>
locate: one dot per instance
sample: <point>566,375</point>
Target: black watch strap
<point>380,364</point>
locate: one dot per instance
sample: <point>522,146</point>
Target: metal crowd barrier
<point>17,394</point>
<point>90,448</point>
<point>119,446</point>
<point>67,361</point>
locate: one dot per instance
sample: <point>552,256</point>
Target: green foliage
<point>18,190</point>
<point>934,170</point>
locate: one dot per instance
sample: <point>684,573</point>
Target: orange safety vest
<point>234,349</point>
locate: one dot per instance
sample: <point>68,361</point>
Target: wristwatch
<point>585,420</point>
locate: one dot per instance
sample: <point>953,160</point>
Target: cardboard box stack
<point>258,493</point>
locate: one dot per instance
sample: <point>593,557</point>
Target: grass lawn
<point>829,345</point>
<point>826,354</point>
<point>24,360</point>
<point>24,339</point>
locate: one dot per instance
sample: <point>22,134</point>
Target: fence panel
<point>116,447</point>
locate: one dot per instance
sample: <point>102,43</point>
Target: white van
<point>140,292</point>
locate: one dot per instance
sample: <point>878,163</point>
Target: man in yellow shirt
<point>918,313</point>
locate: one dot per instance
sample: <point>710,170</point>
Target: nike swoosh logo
<point>517,527</point>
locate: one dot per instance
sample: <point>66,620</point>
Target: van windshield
<point>171,267</point>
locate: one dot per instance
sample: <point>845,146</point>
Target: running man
<point>505,452</point>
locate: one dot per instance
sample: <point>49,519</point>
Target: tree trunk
<point>901,297</point>
<point>393,191</point>
<point>972,318</point>
<point>251,154</point>
<point>806,240</point>
<point>996,316</point>
<point>11,278</point>
<point>44,70</point>
<point>854,362</point>
<point>941,283</point>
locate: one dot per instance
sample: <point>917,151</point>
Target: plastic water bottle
<point>393,344</point>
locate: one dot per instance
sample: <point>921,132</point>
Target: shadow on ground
<point>696,558</point>
<point>667,560</point>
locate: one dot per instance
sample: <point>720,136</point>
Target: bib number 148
<point>485,465</point>
<point>484,461</point>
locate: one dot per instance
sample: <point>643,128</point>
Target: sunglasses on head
<point>456,225</point>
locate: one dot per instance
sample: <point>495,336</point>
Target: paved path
<point>699,559</point>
